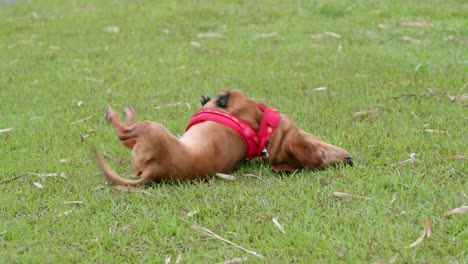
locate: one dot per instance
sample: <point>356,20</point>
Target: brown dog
<point>208,147</point>
<point>203,150</point>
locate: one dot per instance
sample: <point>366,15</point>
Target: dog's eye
<point>222,100</point>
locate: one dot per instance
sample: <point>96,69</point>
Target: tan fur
<point>291,148</point>
<point>205,149</point>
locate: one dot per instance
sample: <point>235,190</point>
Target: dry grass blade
<point>456,211</point>
<point>65,213</point>
<point>81,120</point>
<point>266,35</point>
<point>12,179</point>
<point>456,156</point>
<point>426,233</point>
<point>226,176</point>
<point>348,195</point>
<point>168,260</point>
<point>419,24</point>
<point>210,233</point>
<point>428,130</point>
<point>44,175</point>
<point>412,40</point>
<point>235,260</point>
<point>209,35</point>
<point>277,224</point>
<point>73,202</point>
<point>367,113</point>
<point>320,89</point>
<point>461,98</point>
<point>112,29</point>
<point>131,189</point>
<point>412,159</point>
<point>5,130</point>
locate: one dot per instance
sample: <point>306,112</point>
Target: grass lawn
<point>383,79</point>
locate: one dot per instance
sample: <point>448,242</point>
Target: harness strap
<point>255,141</point>
<point>238,125</point>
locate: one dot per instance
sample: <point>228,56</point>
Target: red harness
<point>255,141</point>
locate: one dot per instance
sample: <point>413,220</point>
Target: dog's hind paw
<point>204,100</point>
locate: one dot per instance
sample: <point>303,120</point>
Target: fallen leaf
<point>209,35</point>
<point>192,213</point>
<point>5,130</point>
<point>428,130</point>
<point>235,260</point>
<point>392,259</point>
<point>226,176</point>
<point>112,29</point>
<point>277,224</point>
<point>456,211</point>
<point>347,195</point>
<point>320,89</point>
<point>324,35</point>
<point>38,185</point>
<point>419,24</point>
<point>53,47</point>
<point>94,80</point>
<point>131,189</point>
<point>426,233</point>
<point>456,156</point>
<point>461,98</point>
<point>179,259</point>
<point>195,44</point>
<point>65,213</point>
<point>266,35</point>
<point>412,40</point>
<point>368,113</point>
<point>73,202</point>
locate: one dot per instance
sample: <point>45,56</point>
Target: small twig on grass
<point>226,176</point>
<point>81,120</point>
<point>210,233</point>
<point>12,178</point>
<point>348,195</point>
<point>459,210</point>
<point>5,130</point>
<point>235,260</point>
<point>426,233</point>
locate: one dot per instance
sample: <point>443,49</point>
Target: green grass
<point>56,55</point>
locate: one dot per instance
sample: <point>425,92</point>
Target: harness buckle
<point>265,153</point>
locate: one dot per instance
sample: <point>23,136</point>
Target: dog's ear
<point>304,154</point>
<point>222,100</point>
<point>204,100</point>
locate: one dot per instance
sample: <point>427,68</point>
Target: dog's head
<point>291,148</point>
<point>237,104</point>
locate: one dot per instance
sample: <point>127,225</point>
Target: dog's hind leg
<point>130,114</point>
<point>124,132</point>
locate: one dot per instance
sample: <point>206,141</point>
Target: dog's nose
<point>349,161</point>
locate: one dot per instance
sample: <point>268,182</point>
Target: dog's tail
<point>112,177</point>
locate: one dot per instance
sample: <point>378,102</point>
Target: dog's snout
<point>349,161</point>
